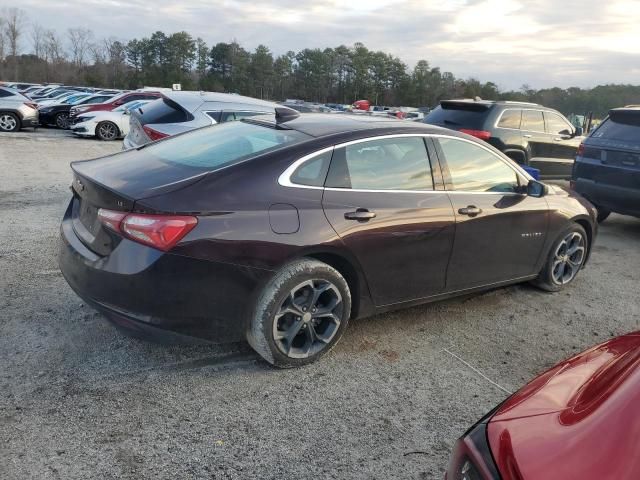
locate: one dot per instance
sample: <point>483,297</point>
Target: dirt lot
<point>79,400</point>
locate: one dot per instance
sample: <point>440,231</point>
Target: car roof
<point>191,100</point>
<point>325,124</point>
<point>492,102</point>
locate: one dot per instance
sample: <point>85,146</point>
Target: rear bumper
<point>611,197</point>
<point>161,296</point>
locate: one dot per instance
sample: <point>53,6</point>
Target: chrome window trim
<point>285,177</point>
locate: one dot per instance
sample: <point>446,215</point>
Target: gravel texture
<point>80,400</point>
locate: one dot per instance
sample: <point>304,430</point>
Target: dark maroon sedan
<point>578,420</point>
<point>281,230</point>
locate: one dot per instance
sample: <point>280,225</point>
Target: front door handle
<point>361,215</point>
<point>471,211</point>
<point>526,135</point>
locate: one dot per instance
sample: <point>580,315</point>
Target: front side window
<point>510,119</point>
<point>383,164</point>
<point>532,121</point>
<point>556,125</point>
<point>475,169</point>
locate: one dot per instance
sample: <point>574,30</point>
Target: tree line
<point>31,53</point>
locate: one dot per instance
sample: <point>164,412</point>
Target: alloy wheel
<point>62,120</point>
<point>7,123</point>
<point>308,318</point>
<point>568,258</point>
<point>107,131</point>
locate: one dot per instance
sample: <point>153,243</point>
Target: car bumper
<point>161,296</point>
<point>611,197</point>
<point>84,129</point>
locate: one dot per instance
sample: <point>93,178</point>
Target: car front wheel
<point>566,258</point>
<point>107,131</point>
<point>301,314</point>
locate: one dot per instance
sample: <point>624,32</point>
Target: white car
<point>106,125</point>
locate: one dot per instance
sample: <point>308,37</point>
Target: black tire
<point>603,214</point>
<point>107,131</point>
<point>554,266</point>
<point>9,122</point>
<point>61,120</point>
<point>279,310</point>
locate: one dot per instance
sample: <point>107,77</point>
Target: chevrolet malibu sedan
<point>280,230</point>
<point>577,420</point>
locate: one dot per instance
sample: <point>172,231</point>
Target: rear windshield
<point>221,145</point>
<point>163,111</point>
<point>458,116</point>
<point>620,126</point>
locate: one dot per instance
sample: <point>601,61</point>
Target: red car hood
<point>581,419</point>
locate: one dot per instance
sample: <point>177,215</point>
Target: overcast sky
<point>510,42</point>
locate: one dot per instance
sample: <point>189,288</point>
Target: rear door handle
<point>526,135</point>
<point>471,211</point>
<point>361,215</point>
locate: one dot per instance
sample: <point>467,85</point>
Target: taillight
<point>471,458</point>
<point>31,105</point>
<point>580,151</point>
<point>154,134</point>
<point>158,231</point>
<point>481,134</point>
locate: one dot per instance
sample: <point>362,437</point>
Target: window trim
<point>495,125</point>
<point>285,180</point>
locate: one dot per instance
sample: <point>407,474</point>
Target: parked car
<point>20,86</point>
<point>307,107</point>
<point>607,168</point>
<point>178,112</point>
<point>59,98</point>
<point>577,420</point>
<point>58,115</point>
<point>113,102</point>
<point>106,125</point>
<point>16,111</point>
<point>279,229</point>
<point>530,134</point>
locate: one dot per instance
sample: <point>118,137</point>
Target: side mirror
<point>579,132</point>
<point>536,189</point>
<point>126,112</point>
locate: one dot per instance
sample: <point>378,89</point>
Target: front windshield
<point>217,146</point>
<point>75,99</point>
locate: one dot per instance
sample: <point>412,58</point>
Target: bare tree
<point>2,39</point>
<point>81,40</point>
<point>38,40</point>
<point>13,25</point>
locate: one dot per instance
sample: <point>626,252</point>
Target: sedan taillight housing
<point>158,231</point>
<point>154,134</point>
<point>481,134</point>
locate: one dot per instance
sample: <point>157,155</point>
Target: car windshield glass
<point>624,127</point>
<point>222,145</point>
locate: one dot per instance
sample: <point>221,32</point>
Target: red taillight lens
<point>580,150</point>
<point>158,231</point>
<point>31,105</point>
<point>481,134</point>
<point>154,134</point>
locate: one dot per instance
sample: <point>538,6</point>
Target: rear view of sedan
<point>281,231</point>
<point>577,420</point>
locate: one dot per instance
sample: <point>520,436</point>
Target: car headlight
<point>45,109</point>
<point>84,119</point>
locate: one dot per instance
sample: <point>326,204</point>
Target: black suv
<point>607,168</point>
<point>529,133</point>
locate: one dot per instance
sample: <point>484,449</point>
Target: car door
<point>538,143</point>
<point>381,200</point>
<point>565,144</point>
<point>500,232</point>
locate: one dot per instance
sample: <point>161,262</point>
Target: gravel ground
<point>79,400</point>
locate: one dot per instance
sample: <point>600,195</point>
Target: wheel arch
<point>589,229</point>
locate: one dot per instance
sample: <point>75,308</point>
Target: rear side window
<point>459,115</point>
<point>222,145</point>
<point>384,164</point>
<point>163,110</point>
<point>532,121</point>
<point>510,119</point>
<point>314,171</point>
<point>621,126</point>
<point>475,169</point>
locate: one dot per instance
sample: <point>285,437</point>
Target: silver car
<point>178,112</point>
<point>16,111</point>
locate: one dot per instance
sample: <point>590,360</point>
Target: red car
<point>578,420</point>
<point>114,102</point>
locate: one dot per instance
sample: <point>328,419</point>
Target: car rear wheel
<point>301,314</point>
<point>9,122</point>
<point>107,131</point>
<point>62,120</point>
<point>566,258</point>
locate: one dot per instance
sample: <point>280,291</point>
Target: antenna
<point>284,114</point>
